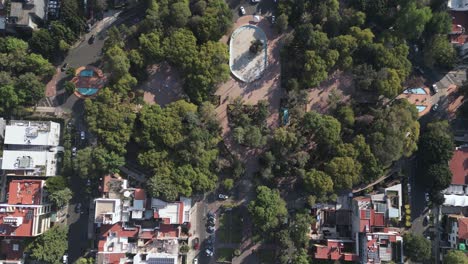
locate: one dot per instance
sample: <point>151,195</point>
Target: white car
<point>242,10</point>
<point>82,135</point>
<point>256,1</point>
<point>195,261</point>
<point>434,86</point>
<point>65,258</point>
<point>223,196</point>
<point>209,253</point>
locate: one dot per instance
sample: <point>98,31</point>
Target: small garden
<point>248,122</point>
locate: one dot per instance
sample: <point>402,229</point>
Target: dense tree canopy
<point>417,247</point>
<point>178,144</point>
<point>268,209</point>
<point>111,120</point>
<point>455,257</point>
<point>50,246</point>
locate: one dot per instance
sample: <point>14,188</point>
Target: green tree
<point>315,69</point>
<point>179,13</point>
<point>282,23</point>
<point>345,114</point>
<point>117,62</point>
<point>267,209</point>
<point>300,229</point>
<point>61,197</point>
<point>436,143</point>
<point>413,20</point>
<point>151,46</point>
<point>440,23</point>
<point>29,88</point>
<point>84,260</point>
<point>388,83</point>
<point>438,176</point>
<point>43,43</point>
<point>455,257</point>
<point>228,184</point>
<point>253,137</point>
<point>54,184</point>
<point>440,52</point>
<point>9,100</point>
<point>50,246</point>
<point>416,247</point>
<point>344,172</point>
<point>301,257</point>
<point>318,182</point>
<point>180,48</point>
<point>69,87</point>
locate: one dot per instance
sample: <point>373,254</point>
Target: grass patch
<point>266,256</point>
<point>225,254</point>
<point>230,227</point>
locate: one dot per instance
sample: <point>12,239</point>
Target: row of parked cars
<point>210,228</point>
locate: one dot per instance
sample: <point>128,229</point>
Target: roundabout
<point>246,65</point>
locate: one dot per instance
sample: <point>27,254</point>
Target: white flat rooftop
<point>32,133</point>
<point>37,163</point>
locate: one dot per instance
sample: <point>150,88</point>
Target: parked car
<point>209,253</point>
<point>78,208</point>
<point>210,229</point>
<point>65,258</point>
<point>223,196</point>
<point>242,10</point>
<point>435,107</point>
<point>210,222</point>
<point>426,197</point>
<point>255,1</point>
<point>64,67</point>
<point>73,151</point>
<point>196,243</point>
<point>88,28</point>
<point>210,214</point>
<point>82,135</point>
<point>426,220</point>
<point>195,261</point>
<point>88,182</point>
<point>273,19</point>
<point>435,88</point>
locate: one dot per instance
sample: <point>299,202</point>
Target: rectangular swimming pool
<point>88,91</point>
<point>86,73</point>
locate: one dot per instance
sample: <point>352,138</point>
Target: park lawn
<point>230,227</point>
<point>266,256</point>
<point>225,254</point>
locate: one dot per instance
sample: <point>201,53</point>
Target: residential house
<point>457,231</point>
<point>25,16</point>
<point>31,148</point>
<point>11,251</point>
<point>369,238</point>
<point>136,229</point>
<point>27,212</point>
<point>456,195</point>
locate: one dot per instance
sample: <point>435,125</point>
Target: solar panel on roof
<point>160,261</point>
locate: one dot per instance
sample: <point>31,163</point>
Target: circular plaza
<point>245,64</point>
<point>88,81</point>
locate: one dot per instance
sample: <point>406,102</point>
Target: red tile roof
<point>23,230</point>
<point>7,249</point>
<point>113,258</point>
<point>140,194</point>
<point>167,231</point>
<point>463,228</point>
<point>459,166</point>
<point>118,230</point>
<point>333,251</point>
<point>25,192</point>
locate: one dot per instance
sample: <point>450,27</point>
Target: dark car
<point>91,39</point>
<point>78,208</point>
<point>210,229</point>
<point>64,67</point>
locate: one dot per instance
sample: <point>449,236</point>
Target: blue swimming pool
<point>421,108</point>
<point>86,73</point>
<point>415,91</point>
<point>88,91</point>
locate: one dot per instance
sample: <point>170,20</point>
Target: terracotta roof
<point>333,251</point>
<point>112,258</point>
<point>463,228</point>
<point>167,231</point>
<point>118,230</point>
<point>12,249</point>
<point>140,194</point>
<point>25,192</point>
<point>379,219</point>
<point>24,229</point>
<point>459,166</point>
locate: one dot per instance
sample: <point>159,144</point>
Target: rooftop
<point>25,13</point>
<point>107,211</point>
<point>172,213</point>
<point>11,249</point>
<point>459,166</point>
<point>32,133</point>
<point>463,228</point>
<point>35,162</point>
<point>16,221</point>
<point>25,192</point>
<point>460,5</point>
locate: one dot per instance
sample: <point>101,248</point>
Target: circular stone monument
<point>247,66</point>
